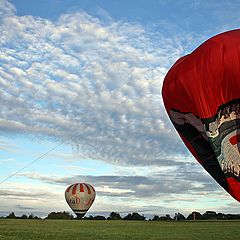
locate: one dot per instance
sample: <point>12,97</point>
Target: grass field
<point>116,230</point>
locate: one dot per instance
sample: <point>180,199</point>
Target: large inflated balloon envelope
<point>80,197</point>
<point>201,94</point>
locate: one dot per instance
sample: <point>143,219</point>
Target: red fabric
<point>207,78</point>
<point>235,139</point>
<point>81,187</point>
<point>68,189</point>
<point>234,188</point>
<point>88,188</point>
<point>74,189</point>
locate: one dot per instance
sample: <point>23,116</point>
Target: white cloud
<point>84,81</point>
<point>6,9</point>
<point>34,198</point>
<point>7,146</point>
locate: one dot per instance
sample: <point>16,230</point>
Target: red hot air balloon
<point>80,197</point>
<point>201,93</point>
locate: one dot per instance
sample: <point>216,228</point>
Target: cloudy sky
<point>81,81</point>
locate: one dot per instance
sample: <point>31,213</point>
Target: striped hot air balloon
<point>80,197</point>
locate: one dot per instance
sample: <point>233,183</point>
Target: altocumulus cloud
<point>95,85</point>
<point>138,187</point>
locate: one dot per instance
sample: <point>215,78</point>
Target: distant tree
<point>114,216</point>
<point>24,216</point>
<point>221,216</point>
<point>59,215</point>
<point>179,217</point>
<point>31,216</point>
<point>137,216</point>
<point>168,217</point>
<point>88,218</point>
<point>155,218</point>
<point>233,216</point>
<point>99,217</point>
<point>134,216</point>
<point>210,215</point>
<point>128,217</point>
<point>11,215</point>
<point>195,216</point>
<point>165,218</point>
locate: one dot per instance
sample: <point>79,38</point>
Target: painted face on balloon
<point>215,138</point>
<point>223,131</point>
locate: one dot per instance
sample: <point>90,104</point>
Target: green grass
<point>116,230</point>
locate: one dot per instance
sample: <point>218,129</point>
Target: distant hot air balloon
<point>201,93</point>
<point>80,197</point>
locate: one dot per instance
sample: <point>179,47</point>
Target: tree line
<point>208,215</point>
